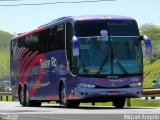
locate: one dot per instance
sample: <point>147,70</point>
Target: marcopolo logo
<point>47,63</point>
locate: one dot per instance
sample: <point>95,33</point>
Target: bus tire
<point>119,103</point>
<point>63,99</point>
<point>28,102</point>
<point>21,97</point>
<point>75,104</point>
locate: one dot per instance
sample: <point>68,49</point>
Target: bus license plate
<point>114,93</point>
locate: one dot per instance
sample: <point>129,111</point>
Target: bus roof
<point>75,18</point>
<point>101,17</point>
<point>87,17</point>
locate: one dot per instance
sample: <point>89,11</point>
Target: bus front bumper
<point>104,94</point>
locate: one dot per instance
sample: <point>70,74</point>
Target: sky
<point>19,19</point>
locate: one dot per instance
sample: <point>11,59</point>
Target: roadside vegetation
<point>151,72</point>
<point>134,103</point>
<point>5,38</point>
<point>145,103</point>
<point>5,99</point>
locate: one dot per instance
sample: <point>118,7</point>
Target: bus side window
<point>21,42</point>
<point>52,39</point>
<point>60,37</point>
<point>43,41</point>
<point>57,38</point>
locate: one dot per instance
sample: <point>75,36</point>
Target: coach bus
<point>79,59</point>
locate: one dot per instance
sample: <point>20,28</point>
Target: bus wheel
<point>21,97</point>
<point>63,98</point>
<point>75,104</point>
<point>119,103</point>
<point>26,97</point>
<point>67,103</point>
<point>28,102</point>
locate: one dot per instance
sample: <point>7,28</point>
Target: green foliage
<point>5,38</point>
<point>134,102</point>
<point>153,32</point>
<point>145,103</point>
<point>151,72</point>
<point>2,118</point>
<point>4,62</point>
<point>1,89</point>
<point>4,53</point>
<point>4,98</point>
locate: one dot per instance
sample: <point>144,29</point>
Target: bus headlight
<point>135,84</point>
<point>86,85</point>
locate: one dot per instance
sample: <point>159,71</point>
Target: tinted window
<point>114,28</point>
<point>123,28</point>
<point>44,38</point>
<point>21,42</point>
<point>31,41</point>
<point>52,39</point>
<point>89,28</point>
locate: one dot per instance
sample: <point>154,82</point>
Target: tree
<point>153,32</point>
<point>5,38</point>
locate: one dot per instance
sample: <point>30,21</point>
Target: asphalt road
<point>56,112</point>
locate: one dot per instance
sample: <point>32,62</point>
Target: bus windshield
<point>116,54</point>
<point>99,56</point>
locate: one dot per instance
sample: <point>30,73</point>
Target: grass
<point>151,72</point>
<point>4,98</point>
<point>4,62</point>
<point>2,118</point>
<point>98,104</point>
<point>134,103</point>
<point>145,103</point>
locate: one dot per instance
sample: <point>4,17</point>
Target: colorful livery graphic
<point>79,59</point>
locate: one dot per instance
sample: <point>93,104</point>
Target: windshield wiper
<point>103,63</point>
<point>121,66</point>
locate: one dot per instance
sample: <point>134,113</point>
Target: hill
<point>151,72</point>
<point>5,38</point>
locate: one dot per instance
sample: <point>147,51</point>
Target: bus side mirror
<point>148,44</point>
<point>75,46</point>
